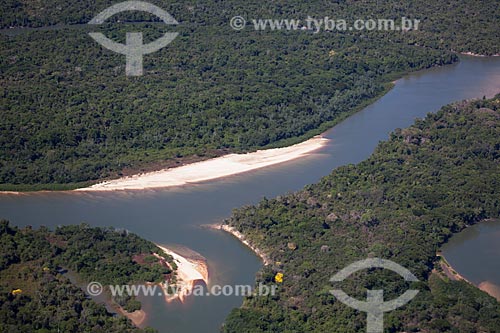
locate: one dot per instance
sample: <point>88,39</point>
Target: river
<point>173,216</point>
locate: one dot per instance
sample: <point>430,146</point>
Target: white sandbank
<point>189,271</point>
<point>242,239</point>
<point>219,167</point>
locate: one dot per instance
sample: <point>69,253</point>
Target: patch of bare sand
<point>490,288</point>
<point>219,167</point>
<point>189,272</point>
<point>137,317</point>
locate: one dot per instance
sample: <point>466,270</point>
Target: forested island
<point>36,294</point>
<point>71,117</point>
<point>428,182</point>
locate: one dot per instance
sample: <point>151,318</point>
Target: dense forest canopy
<point>70,115</point>
<point>463,26</point>
<point>33,262</point>
<point>426,183</point>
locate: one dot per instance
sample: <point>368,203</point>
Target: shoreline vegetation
<point>9,189</point>
<point>190,268</point>
<point>83,122</point>
<point>238,235</point>
<point>447,269</point>
<point>154,178</point>
<point>17,189</point>
<point>137,317</point>
<point>120,136</point>
<point>151,170</point>
<point>450,272</point>
<point>50,272</point>
<point>224,166</point>
<point>74,257</point>
<point>353,211</point>
<point>154,174</point>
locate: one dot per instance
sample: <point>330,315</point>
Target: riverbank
<point>242,239</point>
<point>137,317</point>
<point>472,54</point>
<point>490,288</point>
<point>154,168</point>
<point>189,272</point>
<point>451,273</point>
<point>287,149</point>
<point>219,167</point>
